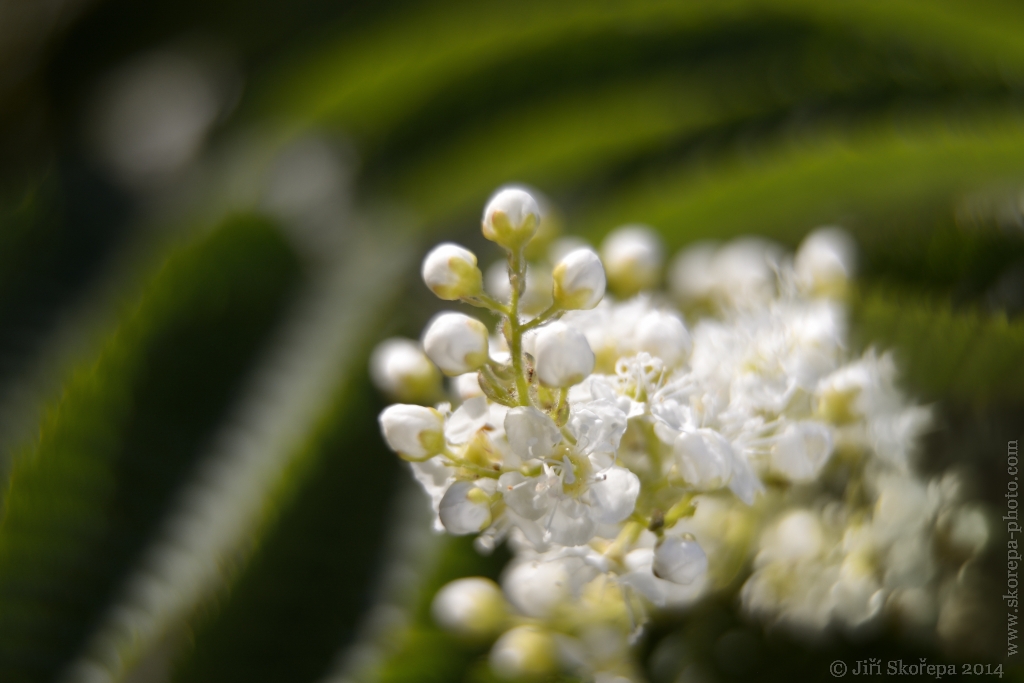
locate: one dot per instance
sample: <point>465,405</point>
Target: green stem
<point>552,312</point>
<point>515,343</point>
<point>472,467</point>
<point>483,300</point>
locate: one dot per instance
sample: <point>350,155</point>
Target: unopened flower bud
<point>523,652</point>
<point>471,607</point>
<point>579,280</point>
<point>692,274</point>
<point>825,261</point>
<point>664,335</point>
<point>456,343</point>
<point>451,272</point>
<point>511,218</point>
<point>632,258</point>
<point>465,509</point>
<point>414,432</point>
<point>745,271</point>
<point>563,356</point>
<point>400,369</point>
<point>679,560</point>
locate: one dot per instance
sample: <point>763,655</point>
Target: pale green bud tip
<point>414,432</point>
<point>450,271</point>
<point>456,343</point>
<point>472,607</point>
<point>523,652</point>
<point>633,258</point>
<point>511,218</point>
<point>400,369</point>
<point>579,280</point>
<point>563,356</point>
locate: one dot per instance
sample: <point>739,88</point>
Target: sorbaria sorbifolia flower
<point>637,453</point>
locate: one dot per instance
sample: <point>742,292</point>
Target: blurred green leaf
<point>85,495</point>
<point>784,188</point>
<point>384,73</point>
<point>966,356</point>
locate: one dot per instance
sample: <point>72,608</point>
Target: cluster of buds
<point>634,462</point>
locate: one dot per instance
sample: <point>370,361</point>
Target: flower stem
<point>552,312</point>
<point>483,300</point>
<point>515,328</point>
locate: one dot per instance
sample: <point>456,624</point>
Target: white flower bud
<point>801,450</point>
<point>400,369</point>
<point>537,587</point>
<point>664,336</point>
<point>456,343</point>
<point>414,432</point>
<point>451,272</point>
<point>613,494</point>
<point>511,218</point>
<point>472,607</point>
<point>797,536</point>
<point>531,433</point>
<point>523,652</point>
<point>563,356</point>
<point>579,280</point>
<point>632,257</point>
<point>679,560</point>
<point>465,509</point>
<point>825,261</point>
<point>745,270</point>
<point>692,274</point>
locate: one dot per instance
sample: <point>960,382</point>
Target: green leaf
<point>85,495</point>
<point>963,355</point>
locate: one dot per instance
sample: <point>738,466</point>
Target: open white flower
<point>706,460</point>
<point>566,502</point>
<point>531,433</point>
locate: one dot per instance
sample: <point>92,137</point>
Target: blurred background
<point>210,213</point>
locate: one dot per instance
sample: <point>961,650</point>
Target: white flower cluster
<point>635,462</point>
